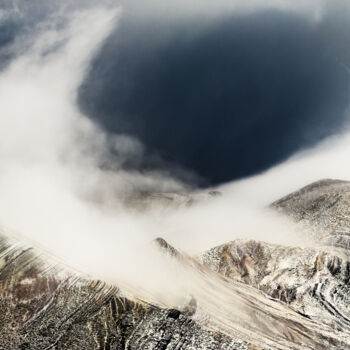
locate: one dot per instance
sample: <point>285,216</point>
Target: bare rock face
<point>313,283</point>
<point>52,309</point>
<point>324,207</point>
<point>247,294</point>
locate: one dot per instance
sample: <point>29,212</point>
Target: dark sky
<point>228,101</point>
<point>224,99</point>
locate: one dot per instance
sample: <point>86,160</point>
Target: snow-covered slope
<point>245,294</point>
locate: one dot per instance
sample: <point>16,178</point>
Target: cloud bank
<point>64,180</point>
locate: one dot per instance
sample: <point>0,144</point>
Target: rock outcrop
<point>53,309</point>
<point>247,294</point>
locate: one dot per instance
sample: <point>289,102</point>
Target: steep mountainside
<point>52,309</point>
<point>246,294</point>
<point>324,207</point>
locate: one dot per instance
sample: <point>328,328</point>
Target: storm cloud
<point>224,97</point>
<point>210,93</point>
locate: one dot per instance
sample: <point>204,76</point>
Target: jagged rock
<point>167,248</point>
<point>324,207</point>
<point>315,282</point>
<point>51,309</point>
<point>312,282</point>
<point>246,295</point>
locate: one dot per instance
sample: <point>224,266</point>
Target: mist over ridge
<point>65,176</point>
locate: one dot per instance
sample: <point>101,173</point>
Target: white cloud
<point>54,191</point>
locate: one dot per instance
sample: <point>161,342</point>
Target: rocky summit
<point>248,295</point>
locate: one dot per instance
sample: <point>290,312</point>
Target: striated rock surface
<point>324,207</point>
<point>245,294</point>
<point>52,309</point>
<point>313,283</point>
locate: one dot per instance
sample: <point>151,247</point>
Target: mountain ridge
<point>247,294</point>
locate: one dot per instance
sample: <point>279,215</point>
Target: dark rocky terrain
<point>248,294</point>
